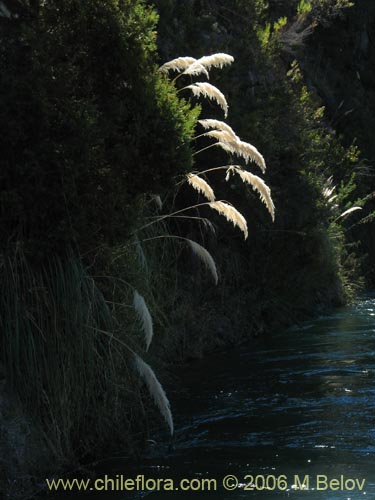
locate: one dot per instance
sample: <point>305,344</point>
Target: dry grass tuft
<point>205,257</point>
<point>144,316</point>
<point>201,186</point>
<point>232,215</point>
<point>256,183</point>
<point>156,390</point>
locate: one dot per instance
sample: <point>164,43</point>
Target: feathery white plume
<point>348,212</point>
<point>233,144</point>
<point>327,191</point>
<point>231,214</point>
<point>205,257</point>
<point>216,60</point>
<point>256,183</point>
<point>156,390</point>
<point>157,201</point>
<point>250,153</point>
<point>201,186</point>
<point>244,150</point>
<point>145,317</point>
<point>218,125</point>
<point>220,135</point>
<point>329,188</point>
<point>179,64</point>
<point>208,90</point>
<point>196,69</point>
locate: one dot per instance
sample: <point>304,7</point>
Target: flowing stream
<point>300,403</point>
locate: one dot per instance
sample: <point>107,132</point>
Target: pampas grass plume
<point>216,60</point>
<point>201,186</point>
<point>218,125</point>
<point>196,69</point>
<point>205,257</point>
<point>243,150</point>
<point>257,184</point>
<point>250,153</point>
<point>178,64</point>
<point>220,135</point>
<point>232,215</point>
<point>156,390</point>
<point>348,212</point>
<point>211,92</point>
<point>158,201</point>
<point>144,316</point>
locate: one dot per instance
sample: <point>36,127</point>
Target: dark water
<point>300,403</point>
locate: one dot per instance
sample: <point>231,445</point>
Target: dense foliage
<point>89,127</point>
<point>302,261</point>
<point>85,118</point>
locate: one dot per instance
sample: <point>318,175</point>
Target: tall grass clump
<point>73,347</point>
<point>65,370</point>
<point>225,138</point>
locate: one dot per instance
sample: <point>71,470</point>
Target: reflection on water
<point>300,403</point>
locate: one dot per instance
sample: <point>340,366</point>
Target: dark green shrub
<point>88,123</point>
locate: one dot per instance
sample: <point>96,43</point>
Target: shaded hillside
<point>339,62</point>
<point>299,263</point>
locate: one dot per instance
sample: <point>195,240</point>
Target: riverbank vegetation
<point>116,262</point>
